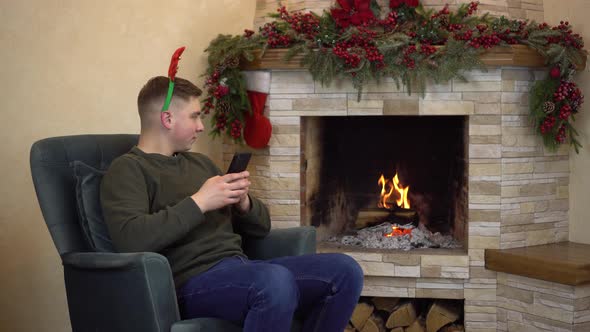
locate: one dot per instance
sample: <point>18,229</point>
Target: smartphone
<point>239,162</point>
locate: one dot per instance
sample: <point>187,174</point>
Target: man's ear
<point>166,119</point>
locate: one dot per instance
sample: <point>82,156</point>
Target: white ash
<point>374,237</point>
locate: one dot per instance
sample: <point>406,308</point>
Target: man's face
<point>186,124</point>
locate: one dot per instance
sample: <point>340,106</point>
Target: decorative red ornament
<point>352,12</point>
<point>258,129</point>
<point>412,3</point>
<point>555,72</point>
<point>173,69</point>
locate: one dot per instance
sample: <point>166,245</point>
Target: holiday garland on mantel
<point>359,40</point>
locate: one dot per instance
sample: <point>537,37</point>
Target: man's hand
<point>220,191</point>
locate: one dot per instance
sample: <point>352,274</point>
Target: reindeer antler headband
<point>172,70</point>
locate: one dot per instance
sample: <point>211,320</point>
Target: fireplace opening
<point>389,182</point>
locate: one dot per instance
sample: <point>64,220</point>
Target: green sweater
<point>147,207</point>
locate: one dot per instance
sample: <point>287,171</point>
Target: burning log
<point>371,217</point>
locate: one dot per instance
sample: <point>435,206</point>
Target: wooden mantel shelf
<point>565,263</point>
<point>514,55</point>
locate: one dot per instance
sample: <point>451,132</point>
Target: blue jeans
<point>322,289</point>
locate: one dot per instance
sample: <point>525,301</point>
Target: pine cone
<point>223,106</point>
<point>548,107</point>
<point>232,62</point>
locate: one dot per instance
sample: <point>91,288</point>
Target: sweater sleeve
<point>254,223</point>
<point>125,202</point>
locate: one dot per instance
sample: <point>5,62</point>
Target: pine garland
<point>405,42</point>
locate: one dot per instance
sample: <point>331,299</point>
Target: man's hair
<point>152,95</point>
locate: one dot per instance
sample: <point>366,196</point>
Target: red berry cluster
<point>236,128</point>
<point>565,90</point>
<point>248,33</point>
<point>408,61</point>
<point>213,79</point>
<point>442,12</point>
<point>464,36</point>
<point>306,24</point>
<point>565,111</point>
<point>455,27</point>
<point>390,22</point>
<point>547,124</point>
<point>472,8</point>
<point>221,91</point>
<point>560,137</point>
<point>567,38</point>
<point>427,49</point>
<point>208,105</point>
<point>359,46</point>
<point>221,121</point>
<point>485,41</point>
<point>275,38</point>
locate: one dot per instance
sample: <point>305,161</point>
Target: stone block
<point>428,107</point>
<point>402,259</point>
<point>400,107</point>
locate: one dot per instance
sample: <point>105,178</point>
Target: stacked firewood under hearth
<point>383,314</point>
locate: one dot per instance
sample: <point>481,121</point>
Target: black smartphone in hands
<point>239,162</point>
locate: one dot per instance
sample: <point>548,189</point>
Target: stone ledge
<point>417,263</point>
<point>565,263</point>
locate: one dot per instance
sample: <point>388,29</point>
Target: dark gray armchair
<point>122,291</point>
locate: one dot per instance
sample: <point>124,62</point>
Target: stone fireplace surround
<point>517,190</point>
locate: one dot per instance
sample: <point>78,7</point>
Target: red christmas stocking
<point>258,129</point>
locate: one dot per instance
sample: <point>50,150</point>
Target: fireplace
<point>516,194</point>
<point>392,182</point>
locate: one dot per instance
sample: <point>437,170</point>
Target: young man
<point>160,197</point>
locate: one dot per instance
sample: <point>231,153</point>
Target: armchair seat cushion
<point>91,218</point>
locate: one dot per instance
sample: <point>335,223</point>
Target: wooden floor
<point>565,263</point>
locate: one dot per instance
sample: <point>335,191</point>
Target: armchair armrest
<point>282,242</point>
<point>120,292</point>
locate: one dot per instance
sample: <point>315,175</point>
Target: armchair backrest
<point>55,183</point>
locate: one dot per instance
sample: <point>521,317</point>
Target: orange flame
<point>401,191</point>
<point>396,231</point>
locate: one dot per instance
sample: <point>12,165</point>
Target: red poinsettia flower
<point>174,63</point>
<point>396,3</point>
<point>355,12</point>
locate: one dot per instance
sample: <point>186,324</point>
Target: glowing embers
<point>398,231</point>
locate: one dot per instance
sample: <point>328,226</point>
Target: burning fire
<point>396,231</point>
<point>394,185</point>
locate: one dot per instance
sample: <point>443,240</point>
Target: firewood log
<point>374,324</point>
<point>439,315</point>
<point>371,217</point>
<point>416,326</point>
<point>453,328</point>
<point>349,328</point>
<point>385,303</point>
<point>397,329</point>
<point>404,315</point>
<point>361,314</point>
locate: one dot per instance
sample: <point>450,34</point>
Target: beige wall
<point>72,67</point>
<point>576,12</point>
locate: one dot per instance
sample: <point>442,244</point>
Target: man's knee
<point>350,270</point>
<point>276,287</point>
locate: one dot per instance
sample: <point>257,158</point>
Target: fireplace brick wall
<point>518,191</point>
